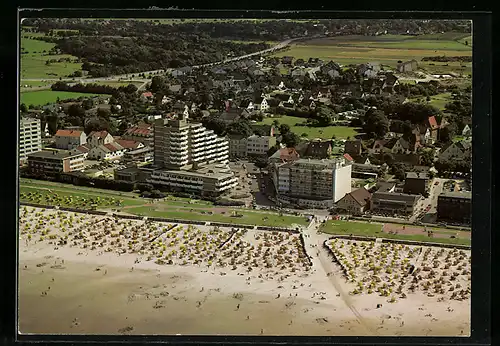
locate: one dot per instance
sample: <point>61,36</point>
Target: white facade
<point>99,138</point>
<point>30,137</point>
<point>259,145</point>
<point>341,181</point>
<point>102,153</point>
<point>283,180</point>
<point>70,139</point>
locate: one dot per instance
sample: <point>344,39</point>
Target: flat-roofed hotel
<point>190,158</point>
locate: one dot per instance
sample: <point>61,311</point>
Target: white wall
<point>341,182</point>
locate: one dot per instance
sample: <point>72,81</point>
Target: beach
<point>72,289</point>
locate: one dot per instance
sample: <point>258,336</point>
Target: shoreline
<point>106,293</point>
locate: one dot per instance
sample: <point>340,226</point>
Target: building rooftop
<point>216,171</point>
<point>58,154</point>
<point>417,175</point>
<point>394,196</point>
<point>457,194</point>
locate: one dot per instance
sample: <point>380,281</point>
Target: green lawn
<point>438,101</point>
<point>248,218</point>
<point>374,230</point>
<point>35,83</point>
<point>43,97</point>
<point>33,63</point>
<point>340,132</point>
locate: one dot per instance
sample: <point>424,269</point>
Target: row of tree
<point>93,88</point>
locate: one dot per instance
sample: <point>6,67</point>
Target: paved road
<point>279,46</point>
<point>323,262</point>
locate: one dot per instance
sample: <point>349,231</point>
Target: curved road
<point>279,46</point>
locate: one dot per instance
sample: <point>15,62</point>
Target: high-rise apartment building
<point>180,144</point>
<point>30,137</point>
<point>313,183</point>
<point>189,158</point>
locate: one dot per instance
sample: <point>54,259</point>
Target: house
<point>175,88</point>
<point>141,133</point>
<point>298,72</point>
<point>416,183</point>
<point>353,148</point>
<point>434,127</point>
<point>261,104</point>
<point>407,66</point>
<point>284,155</point>
<point>82,149</point>
<point>237,146</point>
<point>110,151</point>
<point>398,146</point>
<point>318,149</point>
<point>97,138</point>
<point>285,98</point>
<point>255,72</point>
<point>355,202</point>
<point>177,73</point>
<point>259,145</point>
<point>230,117</point>
<point>247,104</point>
<point>389,83</point>
<point>467,132</point>
<point>308,103</point>
<point>129,144</point>
<point>69,139</point>
<point>147,96</point>
<point>456,151</point>
<point>286,105</point>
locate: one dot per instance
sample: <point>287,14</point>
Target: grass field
<point>387,49</point>
<point>35,83</point>
<point>171,207</point>
<point>43,97</point>
<point>340,132</point>
<point>375,230</point>
<point>248,218</point>
<point>438,101</point>
<point>33,63</point>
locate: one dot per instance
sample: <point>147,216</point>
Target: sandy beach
<point>67,287</point>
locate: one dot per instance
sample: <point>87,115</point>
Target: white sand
<point>202,301</point>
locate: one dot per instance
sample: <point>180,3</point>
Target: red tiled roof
<point>98,134</point>
<point>147,94</point>
<point>287,153</point>
<point>68,133</point>
<point>111,147</point>
<point>127,144</point>
<point>83,148</point>
<point>433,122</point>
<point>139,131</point>
<point>348,157</point>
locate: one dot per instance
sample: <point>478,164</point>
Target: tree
<point>324,116</point>
<point>216,124</point>
<point>158,84</point>
<point>87,104</point>
<point>144,187</point>
<point>23,108</point>
<point>272,150</point>
<point>261,162</point>
<point>447,133</point>
<point>241,127</point>
<point>276,123</point>
<point>290,139</point>
<point>399,170</point>
<point>284,128</point>
<point>376,123</point>
<point>103,113</point>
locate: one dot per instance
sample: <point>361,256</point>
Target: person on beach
<point>238,307</point>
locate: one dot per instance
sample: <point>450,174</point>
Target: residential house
<point>285,98</point>
<point>355,202</point>
<point>128,144</point>
<point>147,96</point>
<point>466,132</point>
<point>284,155</point>
<point>353,148</point>
<point>434,127</point>
<point>97,138</point>
<point>69,139</point>
<point>390,82</point>
<point>261,104</point>
<point>407,66</point>
<point>318,149</point>
<point>287,105</point>
<point>82,149</point>
<point>416,183</point>
<point>51,162</point>
<point>110,151</point>
<point>456,151</point>
<point>141,133</point>
<point>298,72</point>
<point>247,104</point>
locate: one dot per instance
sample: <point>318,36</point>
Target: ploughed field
<point>397,271</point>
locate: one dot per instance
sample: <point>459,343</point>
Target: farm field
<point>32,64</point>
<point>340,132</point>
<point>380,230</point>
<point>43,97</point>
<point>385,50</point>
